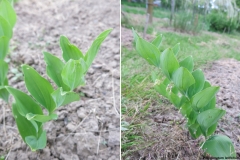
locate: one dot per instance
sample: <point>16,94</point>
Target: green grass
<point>157,12</point>
<point>137,82</point>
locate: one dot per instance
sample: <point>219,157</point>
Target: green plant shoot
<point>190,92</point>
<point>28,109</point>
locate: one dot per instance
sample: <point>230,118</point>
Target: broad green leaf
<point>208,118</point>
<point>4,43</point>
<point>39,87</point>
<point>135,36</point>
<point>183,79</point>
<point>219,146</point>
<point>4,94</point>
<point>206,85</point>
<point>186,109</point>
<point>8,13</point>
<point>187,63</point>
<point>92,51</point>
<point>37,143</point>
<point>72,74</point>
<point>54,69</point>
<point>161,88</point>
<point>174,99</point>
<point>5,29</point>
<point>211,130</point>
<point>176,49</point>
<point>3,71</point>
<point>210,105</point>
<point>192,117</point>
<point>69,51</point>
<point>168,63</point>
<point>62,98</point>
<point>157,41</point>
<point>41,118</point>
<point>199,83</point>
<point>202,98</point>
<point>148,51</point>
<point>194,130</point>
<point>25,127</point>
<point>25,104</point>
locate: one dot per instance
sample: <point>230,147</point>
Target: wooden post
<point>150,10</point>
<point>172,11</point>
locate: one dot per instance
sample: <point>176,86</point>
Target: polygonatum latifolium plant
<point>67,75</point>
<point>7,22</point>
<point>189,91</point>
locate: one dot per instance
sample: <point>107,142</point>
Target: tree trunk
<point>150,10</point>
<point>172,11</point>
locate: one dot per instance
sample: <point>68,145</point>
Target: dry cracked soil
<point>86,129</point>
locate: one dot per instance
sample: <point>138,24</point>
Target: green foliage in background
<point>219,21</point>
<point>190,93</point>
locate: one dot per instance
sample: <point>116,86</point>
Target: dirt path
<point>88,129</point>
<point>166,131</point>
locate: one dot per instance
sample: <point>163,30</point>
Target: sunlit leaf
<point>69,51</point>
<point>168,63</point>
<point>39,87</point>
<point>8,13</point>
<point>54,69</point>
<point>72,74</point>
<point>92,51</point>
<point>219,146</point>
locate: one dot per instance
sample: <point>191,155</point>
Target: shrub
<point>219,21</point>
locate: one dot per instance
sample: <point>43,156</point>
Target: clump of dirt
<point>89,128</point>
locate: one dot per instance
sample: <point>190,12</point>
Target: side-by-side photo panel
<point>179,79</point>
<point>59,80</point>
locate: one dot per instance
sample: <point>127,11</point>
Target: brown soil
<point>87,129</point>
<point>166,131</point>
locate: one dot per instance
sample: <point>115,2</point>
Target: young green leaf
<point>39,87</point>
<point>54,69</point>
<point>183,79</point>
<point>148,51</point>
<point>157,41</point>
<point>219,146</point>
<point>202,98</point>
<point>135,36</point>
<point>176,49</point>
<point>41,118</point>
<point>208,118</point>
<point>3,73</point>
<point>5,28</point>
<point>37,143</point>
<point>69,51</point>
<point>25,104</point>
<point>22,122</point>
<point>168,63</point>
<point>199,83</point>
<point>72,74</point>
<point>176,100</point>
<point>187,63</point>
<point>92,51</point>
<point>186,109</point>
<point>4,42</point>
<point>162,89</point>
<point>8,13</point>
<point>62,98</point>
<point>4,94</point>
<point>194,130</point>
